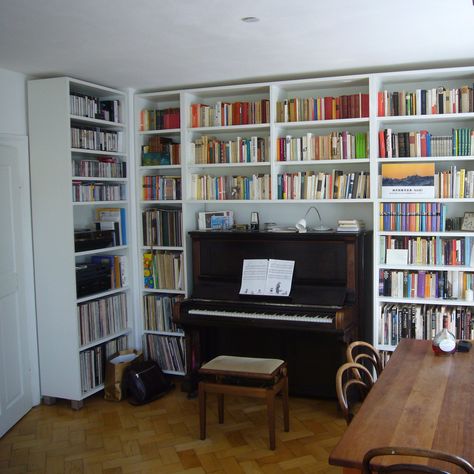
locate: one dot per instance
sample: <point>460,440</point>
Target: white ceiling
<point>163,44</point>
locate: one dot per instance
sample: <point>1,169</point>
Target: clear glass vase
<point>444,342</point>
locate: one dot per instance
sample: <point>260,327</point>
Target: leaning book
<point>408,180</point>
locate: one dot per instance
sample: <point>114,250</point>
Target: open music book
<point>267,277</point>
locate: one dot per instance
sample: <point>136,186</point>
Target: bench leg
<point>271,417</point>
<point>220,407</point>
<point>286,410</point>
<point>202,410</point>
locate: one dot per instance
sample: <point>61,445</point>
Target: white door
<point>18,359</point>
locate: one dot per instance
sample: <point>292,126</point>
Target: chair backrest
<point>451,459</point>
<point>352,375</point>
<point>365,354</point>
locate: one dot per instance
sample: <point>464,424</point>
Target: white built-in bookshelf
<point>275,148</point>
<point>80,184</point>
<point>301,145</point>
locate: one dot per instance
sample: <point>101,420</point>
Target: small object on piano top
<point>464,346</point>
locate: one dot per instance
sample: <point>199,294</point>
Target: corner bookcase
<point>80,188</point>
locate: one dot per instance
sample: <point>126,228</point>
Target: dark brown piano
<point>327,308</point>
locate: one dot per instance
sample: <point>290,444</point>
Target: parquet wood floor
<point>163,437</point>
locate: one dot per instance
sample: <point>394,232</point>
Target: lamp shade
<point>301,225</point>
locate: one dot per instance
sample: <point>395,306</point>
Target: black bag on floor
<point>145,382</point>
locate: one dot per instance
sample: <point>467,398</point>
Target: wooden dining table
<point>420,400</point>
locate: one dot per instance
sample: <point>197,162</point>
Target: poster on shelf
<point>408,180</point>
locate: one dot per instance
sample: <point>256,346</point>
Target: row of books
<point>92,362</point>
<point>454,183</point>
<point>168,351</point>
<point>161,151</point>
<point>223,114</point>
<point>86,191</point>
<point>211,150</point>
<point>253,187</point>
<point>424,284</point>
<point>163,270</point>
<point>161,188</point>
<point>162,227</point>
<point>89,106</point>
<point>429,250</point>
<point>158,311</point>
<point>397,321</point>
<point>297,109</point>
<point>101,167</point>
<point>320,185</point>
<point>437,100</point>
<point>100,318</point>
<point>334,146</point>
<point>88,138</point>
<point>413,216</point>
<point>423,144</point>
<point>164,119</point>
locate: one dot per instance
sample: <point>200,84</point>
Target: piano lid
<point>321,273</point>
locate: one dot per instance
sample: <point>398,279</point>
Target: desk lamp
<point>302,225</point>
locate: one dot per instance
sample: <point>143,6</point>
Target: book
<point>404,180</point>
<point>269,277</point>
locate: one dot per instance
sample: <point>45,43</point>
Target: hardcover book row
<point>422,322</point>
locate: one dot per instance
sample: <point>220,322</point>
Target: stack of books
<point>350,225</point>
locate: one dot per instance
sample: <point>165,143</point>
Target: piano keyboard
<point>275,316</point>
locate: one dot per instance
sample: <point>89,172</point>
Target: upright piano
<point>328,306</point>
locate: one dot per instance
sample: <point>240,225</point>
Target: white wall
<point>13,102</point>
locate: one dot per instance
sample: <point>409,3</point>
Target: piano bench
<point>248,377</point>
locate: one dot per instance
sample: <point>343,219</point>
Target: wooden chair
<point>451,459</point>
<point>351,377</point>
<point>366,354</point>
<point>250,377</point>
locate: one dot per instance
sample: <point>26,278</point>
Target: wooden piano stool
<point>245,376</point>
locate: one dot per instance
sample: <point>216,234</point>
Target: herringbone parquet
<point>163,437</point>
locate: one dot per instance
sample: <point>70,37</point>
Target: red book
<point>423,134</point>
<point>344,109</point>
<point>195,115</point>
<point>380,104</point>
<point>245,113</point>
<point>364,105</point>
<point>382,151</point>
<point>236,113</point>
<point>328,108</point>
<point>356,107</point>
<point>338,107</point>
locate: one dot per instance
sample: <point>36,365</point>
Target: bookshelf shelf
<point>117,248</point>
<point>82,151</point>
<point>102,340</point>
<point>99,179</point>
<point>64,114</point>
<point>99,122</point>
<point>99,203</point>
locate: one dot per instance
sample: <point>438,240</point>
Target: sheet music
<point>267,277</point>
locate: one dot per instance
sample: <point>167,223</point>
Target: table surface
<point>420,400</point>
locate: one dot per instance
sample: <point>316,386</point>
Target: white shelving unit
<point>72,352</point>
<point>162,340</point>
<point>286,212</point>
<point>56,215</point>
<point>410,312</point>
